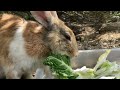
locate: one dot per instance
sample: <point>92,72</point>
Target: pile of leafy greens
<point>60,66</point>
<point>104,69</point>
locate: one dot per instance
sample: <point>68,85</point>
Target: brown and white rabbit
<point>24,44</point>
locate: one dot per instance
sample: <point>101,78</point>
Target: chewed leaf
<point>60,65</point>
<point>104,55</point>
<point>102,59</point>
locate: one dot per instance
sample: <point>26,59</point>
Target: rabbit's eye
<point>66,35</point>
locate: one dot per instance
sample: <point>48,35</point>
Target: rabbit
<point>24,44</point>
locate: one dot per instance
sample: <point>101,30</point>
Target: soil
<point>93,35</point>
<point>92,39</point>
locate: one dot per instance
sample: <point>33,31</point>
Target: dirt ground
<point>92,39</point>
<point>92,32</point>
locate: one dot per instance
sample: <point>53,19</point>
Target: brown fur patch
<point>72,46</point>
<point>6,35</point>
<point>35,44</point>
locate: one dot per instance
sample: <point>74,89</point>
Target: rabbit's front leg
<point>28,76</point>
<point>13,75</point>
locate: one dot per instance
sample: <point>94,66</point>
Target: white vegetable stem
<point>107,77</point>
<point>101,59</point>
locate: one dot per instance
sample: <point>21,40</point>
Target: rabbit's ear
<point>43,17</point>
<point>54,13</point>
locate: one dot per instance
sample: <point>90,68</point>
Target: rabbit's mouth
<point>73,54</point>
<point>61,52</point>
<point>69,53</point>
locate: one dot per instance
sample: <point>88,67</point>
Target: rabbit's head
<point>59,37</point>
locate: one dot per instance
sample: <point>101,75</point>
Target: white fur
<point>18,52</point>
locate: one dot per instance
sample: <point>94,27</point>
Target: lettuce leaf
<point>101,59</point>
<point>60,66</point>
<point>104,69</point>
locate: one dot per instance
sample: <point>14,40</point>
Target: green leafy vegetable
<point>60,66</point>
<point>102,59</point>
